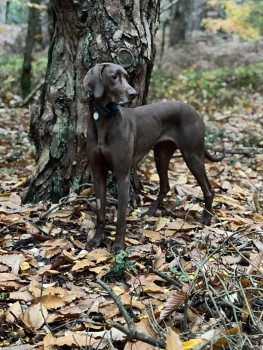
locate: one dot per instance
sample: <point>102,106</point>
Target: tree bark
<point>86,32</point>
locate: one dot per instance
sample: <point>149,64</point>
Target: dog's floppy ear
<point>93,80</point>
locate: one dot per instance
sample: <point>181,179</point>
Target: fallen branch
<point>246,150</point>
<point>131,331</point>
<point>169,279</point>
<point>7,227</point>
<point>31,94</point>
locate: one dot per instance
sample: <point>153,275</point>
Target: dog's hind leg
<point>163,152</point>
<point>196,165</point>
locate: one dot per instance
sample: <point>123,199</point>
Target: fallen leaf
<point>34,316</point>
<point>161,222</point>
<point>173,341</point>
<point>172,303</point>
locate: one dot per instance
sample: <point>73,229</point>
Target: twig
<point>166,7</point>
<point>31,94</point>
<point>245,151</point>
<point>41,305</point>
<point>153,322</point>
<point>169,279</point>
<point>11,225</point>
<point>209,256</point>
<point>65,202</point>
<point>131,332</point>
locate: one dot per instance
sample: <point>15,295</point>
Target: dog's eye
<point>114,77</point>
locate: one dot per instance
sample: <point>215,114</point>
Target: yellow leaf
<point>154,177</point>
<point>190,344</point>
<point>118,290</point>
<point>20,183</point>
<point>24,266</point>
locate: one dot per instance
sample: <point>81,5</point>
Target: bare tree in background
<point>86,32</point>
<point>34,28</point>
<point>186,16</point>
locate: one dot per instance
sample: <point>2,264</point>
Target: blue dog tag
<point>96,115</point>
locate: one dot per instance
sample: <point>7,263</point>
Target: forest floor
<point>195,286</point>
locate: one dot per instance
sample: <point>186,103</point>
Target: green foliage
<point>15,13</point>
<point>255,17</point>
<point>209,91</point>
<point>3,296</point>
<point>120,265</point>
<point>10,73</point>
<point>243,17</point>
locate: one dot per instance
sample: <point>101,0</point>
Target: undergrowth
<point>209,91</point>
<point>10,73</point>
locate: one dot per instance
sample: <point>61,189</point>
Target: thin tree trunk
<point>3,11</point>
<point>86,32</point>
<point>33,27</point>
<point>186,16</point>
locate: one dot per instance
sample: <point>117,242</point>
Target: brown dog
<point>120,137</point>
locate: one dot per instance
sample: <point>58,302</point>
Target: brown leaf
<point>53,301</point>
<point>130,302</point>
<point>81,265</point>
<point>12,261</point>
<point>173,341</point>
<point>21,295</point>
<point>159,260</point>
<point>33,316</point>
<point>14,309</point>
<point>138,345</point>
<point>172,303</point>
<point>9,281</point>
<point>154,236</point>
<point>161,222</point>
<point>180,224</point>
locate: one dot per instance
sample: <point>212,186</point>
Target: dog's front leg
<point>100,185</point>
<point>123,198</point>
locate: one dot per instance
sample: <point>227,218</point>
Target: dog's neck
<point>102,111</point>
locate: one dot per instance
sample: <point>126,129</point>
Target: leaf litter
<point>186,285</point>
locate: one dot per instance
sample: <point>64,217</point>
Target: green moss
<point>60,130</point>
<point>56,184</point>
<point>76,183</point>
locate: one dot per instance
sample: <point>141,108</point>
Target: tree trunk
<point>33,29</point>
<point>186,16</point>
<point>86,32</point>
<point>2,11</point>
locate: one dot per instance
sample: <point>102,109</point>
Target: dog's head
<point>108,82</point>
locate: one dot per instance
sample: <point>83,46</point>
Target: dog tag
<point>96,115</point>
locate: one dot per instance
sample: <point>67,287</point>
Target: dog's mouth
<point>124,101</point>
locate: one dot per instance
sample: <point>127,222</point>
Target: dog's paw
<point>117,247</point>
<point>204,220</point>
<point>150,212</point>
<point>95,242</point>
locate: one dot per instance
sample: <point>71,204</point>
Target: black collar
<point>107,111</point>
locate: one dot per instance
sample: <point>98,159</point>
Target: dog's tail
<point>214,158</point>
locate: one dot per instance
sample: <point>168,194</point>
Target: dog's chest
<point>103,146</point>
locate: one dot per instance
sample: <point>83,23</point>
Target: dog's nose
<point>132,93</point>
